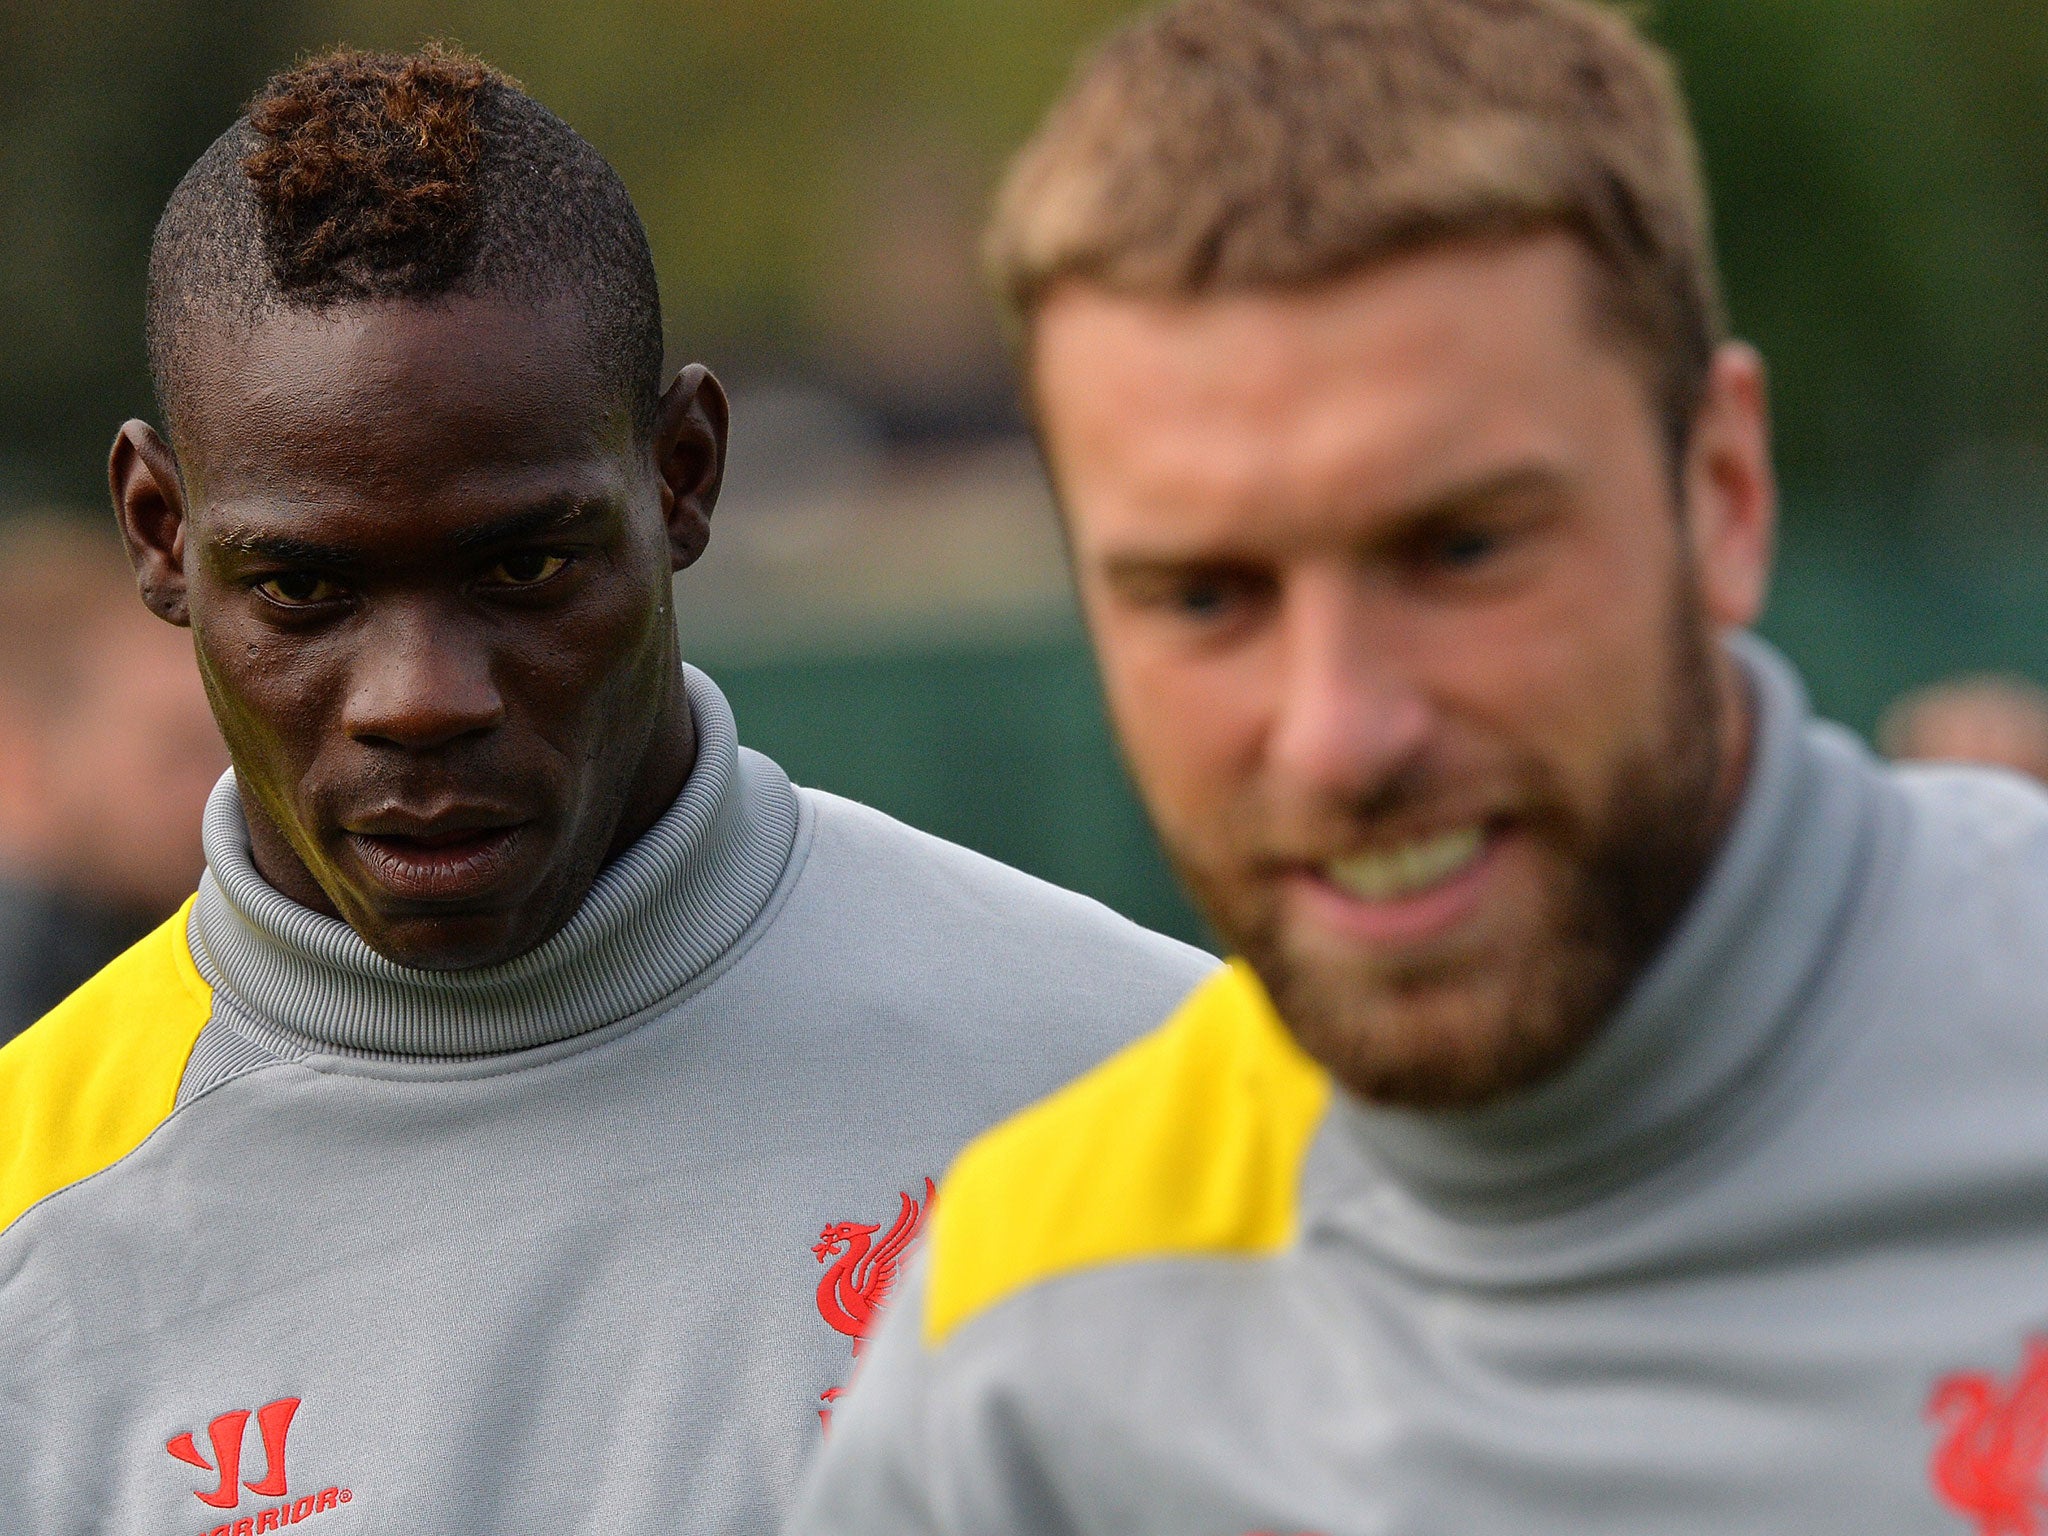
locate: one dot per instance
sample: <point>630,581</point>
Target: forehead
<point>401,404</point>
<point>1381,389</point>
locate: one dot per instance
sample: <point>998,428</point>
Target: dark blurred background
<point>883,598</point>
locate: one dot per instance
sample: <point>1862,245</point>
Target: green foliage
<point>1881,172</point>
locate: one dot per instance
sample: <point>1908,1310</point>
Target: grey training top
<point>1771,1257</point>
<point>579,1242</point>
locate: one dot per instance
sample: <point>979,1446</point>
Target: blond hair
<point>1217,145</point>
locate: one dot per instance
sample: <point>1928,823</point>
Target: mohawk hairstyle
<point>359,176</point>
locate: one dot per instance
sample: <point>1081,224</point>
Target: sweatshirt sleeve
<point>910,1453</point>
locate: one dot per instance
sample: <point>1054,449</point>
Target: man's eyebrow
<point>1144,568</point>
<point>285,549</point>
<point>544,517</point>
<point>1520,480</point>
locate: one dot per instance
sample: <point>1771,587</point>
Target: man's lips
<point>425,861</point>
<point>1404,894</point>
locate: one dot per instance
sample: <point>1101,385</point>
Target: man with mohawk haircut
<point>523,1124</point>
<point>1630,1111</point>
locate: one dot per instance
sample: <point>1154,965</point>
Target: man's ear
<point>1731,491</point>
<point>689,453</point>
<point>149,501</point>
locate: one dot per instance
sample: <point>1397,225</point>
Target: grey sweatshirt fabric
<point>557,1245</point>
<point>1772,1257</point>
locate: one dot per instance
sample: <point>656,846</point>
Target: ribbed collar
<point>658,916</point>
<point>1706,1015</point>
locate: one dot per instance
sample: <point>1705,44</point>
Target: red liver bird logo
<point>862,1273</point>
<point>1988,1464</point>
<point>859,1280</point>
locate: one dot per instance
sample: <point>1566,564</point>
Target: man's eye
<point>1203,599</point>
<point>1210,595</point>
<point>1463,548</point>
<point>299,589</point>
<point>529,568</point>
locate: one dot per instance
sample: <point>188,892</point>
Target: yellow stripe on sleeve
<point>86,1085</point>
<point>1191,1141</point>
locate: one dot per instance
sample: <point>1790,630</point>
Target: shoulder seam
<point>1190,1142</point>
<point>99,1075</point>
<point>184,965</point>
<point>154,1131</point>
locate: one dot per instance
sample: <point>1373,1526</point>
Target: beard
<point>1487,1016</point>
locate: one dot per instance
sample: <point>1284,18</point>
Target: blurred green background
<point>882,599</point>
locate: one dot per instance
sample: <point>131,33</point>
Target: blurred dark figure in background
<point>1993,719</point>
<point>107,752</point>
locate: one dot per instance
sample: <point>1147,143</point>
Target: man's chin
<point>1424,1046</point>
<point>1470,992</point>
<point>485,927</point>
<point>1463,1027</point>
<point>450,941</point>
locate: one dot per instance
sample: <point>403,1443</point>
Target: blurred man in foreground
<point>1631,1111</point>
<point>107,752</point>
<point>1993,721</point>
<point>521,1128</point>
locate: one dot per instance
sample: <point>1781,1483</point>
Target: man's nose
<point>1350,717</point>
<point>418,686</point>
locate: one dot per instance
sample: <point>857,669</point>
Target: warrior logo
<point>862,1272</point>
<point>1988,1465</point>
<point>273,1423</point>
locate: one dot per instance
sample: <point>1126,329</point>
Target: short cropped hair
<point>360,176</point>
<point>1217,145</point>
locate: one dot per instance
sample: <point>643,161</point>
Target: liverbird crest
<point>854,1288</point>
<point>1988,1465</point>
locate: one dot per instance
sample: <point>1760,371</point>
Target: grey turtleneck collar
<point>657,917</point>
<point>1705,1016</point>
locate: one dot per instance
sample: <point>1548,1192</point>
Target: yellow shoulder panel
<point>1190,1141</point>
<point>81,1089</point>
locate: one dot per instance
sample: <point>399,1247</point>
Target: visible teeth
<point>1401,872</point>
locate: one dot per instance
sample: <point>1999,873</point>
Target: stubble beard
<point>1471,1028</point>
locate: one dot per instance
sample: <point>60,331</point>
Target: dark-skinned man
<point>523,1125</point>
